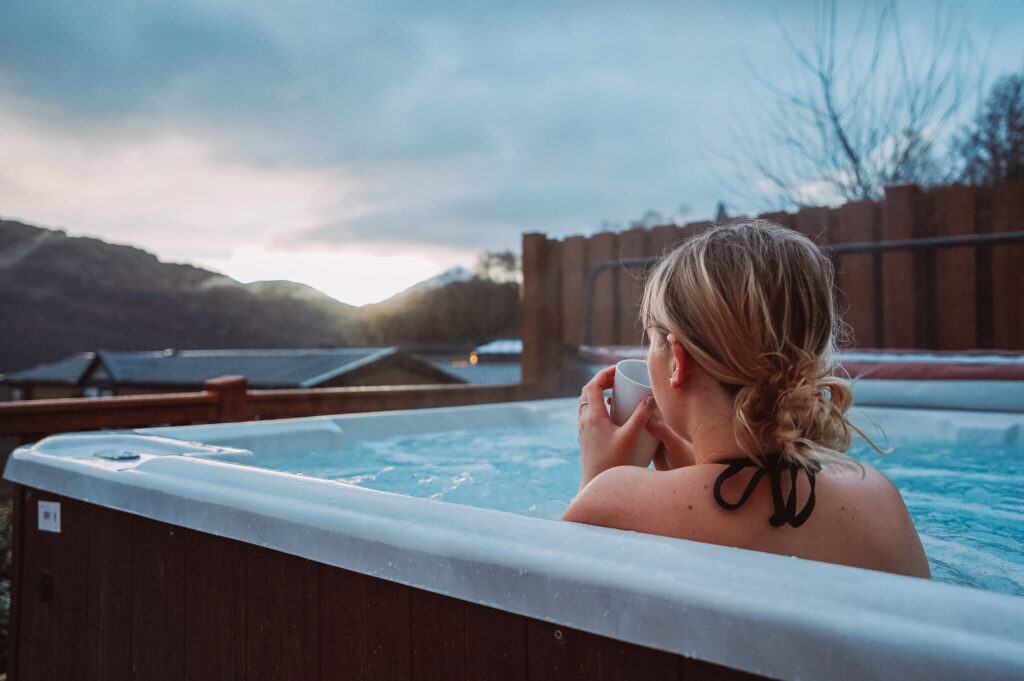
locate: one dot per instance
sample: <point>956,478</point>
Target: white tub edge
<point>766,614</point>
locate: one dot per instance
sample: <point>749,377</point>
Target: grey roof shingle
<point>263,368</point>
<point>68,370</point>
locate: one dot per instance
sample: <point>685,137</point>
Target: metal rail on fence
<point>831,250</point>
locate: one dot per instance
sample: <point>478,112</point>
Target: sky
<point>360,147</point>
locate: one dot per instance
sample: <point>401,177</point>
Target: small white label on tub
<point>49,516</point>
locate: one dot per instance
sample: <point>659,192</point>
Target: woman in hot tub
<point>753,423</point>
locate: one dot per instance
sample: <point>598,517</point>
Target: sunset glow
<point>356,276</point>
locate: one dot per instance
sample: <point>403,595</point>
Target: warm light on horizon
<point>186,200</point>
<point>355,276</point>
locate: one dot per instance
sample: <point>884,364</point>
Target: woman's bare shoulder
<point>609,496</point>
<point>641,499</point>
<point>871,509</point>
<point>862,482</point>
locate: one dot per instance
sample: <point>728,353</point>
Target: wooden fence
<point>228,399</point>
<point>965,298</point>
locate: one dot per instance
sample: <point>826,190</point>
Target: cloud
<point>319,123</point>
<point>110,58</point>
<point>159,189</point>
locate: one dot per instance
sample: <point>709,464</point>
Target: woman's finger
<point>593,392</point>
<point>638,419</point>
<point>605,378</point>
<point>657,427</point>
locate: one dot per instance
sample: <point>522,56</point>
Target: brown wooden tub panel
<point>119,596</point>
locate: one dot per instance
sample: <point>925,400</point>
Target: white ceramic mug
<point>633,385</point>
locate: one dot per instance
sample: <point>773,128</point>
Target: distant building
<point>104,373</point>
<point>505,350</point>
<point>495,363</point>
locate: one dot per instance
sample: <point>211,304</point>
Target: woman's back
<point>856,520</point>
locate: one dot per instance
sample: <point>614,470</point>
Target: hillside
<point>60,295</point>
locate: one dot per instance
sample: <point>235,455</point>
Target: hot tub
<point>171,550</point>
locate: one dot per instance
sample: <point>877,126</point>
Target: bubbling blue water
<point>965,500</point>
<point>532,471</point>
<point>967,505</point>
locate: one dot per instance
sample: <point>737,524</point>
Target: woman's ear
<point>683,365</point>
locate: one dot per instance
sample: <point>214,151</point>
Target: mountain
<point>440,281</point>
<point>60,295</point>
<point>472,310</point>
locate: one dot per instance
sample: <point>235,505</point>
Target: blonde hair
<point>752,303</point>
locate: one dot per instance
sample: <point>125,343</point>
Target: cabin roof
<point>263,368</point>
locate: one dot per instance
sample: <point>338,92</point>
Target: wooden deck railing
<point>228,399</point>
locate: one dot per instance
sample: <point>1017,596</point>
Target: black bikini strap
<point>734,467</point>
<point>784,510</point>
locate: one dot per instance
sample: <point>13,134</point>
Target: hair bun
<point>797,410</point>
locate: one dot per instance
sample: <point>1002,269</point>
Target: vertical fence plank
<point>664,238</point>
<point>983,269</point>
<point>855,274</point>
<point>541,313</point>
<point>496,647</point>
<point>813,222</point>
<point>438,626</point>
<point>109,632</point>
<point>1008,268</point>
<point>158,598</point>
<point>632,244</point>
<point>901,273</point>
<point>604,318</point>
<point>780,217</point>
<point>573,256</point>
<point>215,626</point>
<point>53,599</point>
<point>955,282</point>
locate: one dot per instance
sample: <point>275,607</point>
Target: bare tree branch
<point>848,126</point>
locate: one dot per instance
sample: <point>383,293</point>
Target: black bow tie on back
<point>785,511</point>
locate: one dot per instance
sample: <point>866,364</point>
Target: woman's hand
<point>674,451</point>
<point>604,445</point>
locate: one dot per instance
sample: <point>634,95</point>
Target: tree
<point>720,213</point>
<point>855,117</point>
<point>991,148</point>
<point>499,266</point>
